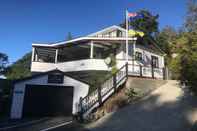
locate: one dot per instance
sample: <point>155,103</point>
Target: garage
<point>52,93</point>
<point>45,100</point>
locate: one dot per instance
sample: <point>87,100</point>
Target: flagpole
<point>127,28</point>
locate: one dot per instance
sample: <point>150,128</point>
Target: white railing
<point>78,65</point>
<point>104,91</point>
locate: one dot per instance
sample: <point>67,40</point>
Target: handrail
<point>104,90</point>
<point>107,78</point>
<point>108,86</point>
<point>146,66</point>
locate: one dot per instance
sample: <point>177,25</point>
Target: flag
<point>134,16</point>
<point>132,32</point>
<point>129,15</point>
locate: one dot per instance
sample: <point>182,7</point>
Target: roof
<point>46,73</point>
<point>108,29</point>
<point>91,37</point>
<point>82,39</point>
<point>88,37</point>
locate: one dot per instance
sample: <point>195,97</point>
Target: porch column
<point>36,57</point>
<point>133,59</point>
<point>33,54</point>
<point>91,50</point>
<point>134,44</point>
<point>56,55</point>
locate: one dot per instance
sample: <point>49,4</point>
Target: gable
<point>112,31</point>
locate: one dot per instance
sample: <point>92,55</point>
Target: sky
<point>23,22</point>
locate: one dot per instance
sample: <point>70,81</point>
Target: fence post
<point>99,95</point>
<point>114,82</point>
<point>152,72</point>
<point>164,73</point>
<point>140,70</point>
<point>126,69</point>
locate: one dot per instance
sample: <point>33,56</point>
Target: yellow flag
<point>140,33</point>
<point>133,33</point>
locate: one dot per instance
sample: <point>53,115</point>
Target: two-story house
<point>54,90</point>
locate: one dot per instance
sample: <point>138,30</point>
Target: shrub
<point>114,69</point>
<point>131,94</point>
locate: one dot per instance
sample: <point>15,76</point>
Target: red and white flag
<point>131,14</point>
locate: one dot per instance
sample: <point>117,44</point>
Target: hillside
<point>19,69</point>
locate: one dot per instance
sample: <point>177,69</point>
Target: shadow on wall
<point>152,115</point>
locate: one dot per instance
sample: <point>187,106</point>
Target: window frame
<point>138,56</point>
<point>55,78</point>
<point>155,61</point>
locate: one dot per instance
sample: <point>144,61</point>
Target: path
<point>166,109</point>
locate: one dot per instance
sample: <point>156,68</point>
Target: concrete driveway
<point>168,108</point>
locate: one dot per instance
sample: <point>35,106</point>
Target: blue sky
<point>23,22</point>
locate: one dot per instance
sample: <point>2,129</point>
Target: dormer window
<point>119,33</point>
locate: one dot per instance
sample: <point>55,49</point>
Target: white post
<point>133,59</point>
<point>56,55</point>
<point>91,50</point>
<point>36,59</point>
<point>127,28</point>
<point>33,54</point>
<point>134,45</point>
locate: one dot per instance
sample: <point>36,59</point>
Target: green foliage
<point>5,97</point>
<point>131,94</point>
<point>188,59</point>
<point>3,62</point>
<point>166,40</point>
<point>191,16</point>
<point>148,24</point>
<point>6,86</point>
<point>114,69</point>
<point>20,68</point>
<point>184,44</point>
<point>174,66</point>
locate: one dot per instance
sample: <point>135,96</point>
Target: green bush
<point>131,94</point>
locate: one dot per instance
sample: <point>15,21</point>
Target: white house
<point>51,64</point>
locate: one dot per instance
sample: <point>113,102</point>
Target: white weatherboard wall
<point>77,65</point>
<point>80,90</point>
<point>146,55</point>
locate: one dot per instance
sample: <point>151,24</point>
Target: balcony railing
<point>77,65</point>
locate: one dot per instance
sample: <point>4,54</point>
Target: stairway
<point>103,92</point>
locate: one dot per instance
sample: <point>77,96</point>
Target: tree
<point>191,17</point>
<point>166,40</point>
<point>3,62</point>
<point>69,36</point>
<point>19,69</point>
<point>188,59</point>
<point>147,23</point>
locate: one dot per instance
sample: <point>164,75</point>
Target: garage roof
<point>46,73</point>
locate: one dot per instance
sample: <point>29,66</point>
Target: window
<point>56,78</point>
<point>155,61</point>
<point>138,56</point>
<point>119,33</point>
